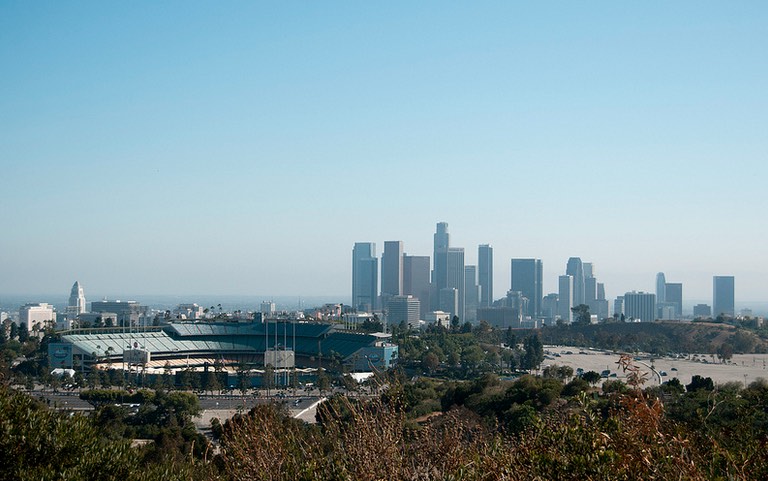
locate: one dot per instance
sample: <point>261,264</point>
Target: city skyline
<point>200,149</point>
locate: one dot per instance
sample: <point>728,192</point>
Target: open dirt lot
<point>743,368</point>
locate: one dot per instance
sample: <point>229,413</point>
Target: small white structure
<point>280,358</point>
<point>136,356</point>
<point>440,318</point>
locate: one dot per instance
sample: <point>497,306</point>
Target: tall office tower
<point>602,309</point>
<point>403,308</point>
<point>590,292</point>
<point>549,308</point>
<point>673,293</point>
<point>391,270</point>
<point>442,238</point>
<point>661,284</point>
<point>449,267</point>
<point>640,306</point>
<point>416,281</point>
<point>723,296</point>
<point>472,293</point>
<point>575,269</point>
<point>618,306</point>
<point>441,241</point>
<point>365,276</point>
<point>448,301</point>
<point>565,298</point>
<point>526,278</point>
<point>76,304</point>
<point>588,269</point>
<point>455,277</point>
<point>485,274</point>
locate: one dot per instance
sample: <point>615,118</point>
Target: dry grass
<point>372,441</point>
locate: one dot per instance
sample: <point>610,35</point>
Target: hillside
<point>657,337</point>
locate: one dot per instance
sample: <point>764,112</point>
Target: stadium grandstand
<point>198,345</point>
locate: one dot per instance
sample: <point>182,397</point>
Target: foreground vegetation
<point>534,427</point>
<point>460,406</point>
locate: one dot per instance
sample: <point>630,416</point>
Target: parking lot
<point>742,368</point>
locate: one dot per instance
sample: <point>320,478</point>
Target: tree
<point>558,372</point>
<point>242,377</point>
<point>534,353</point>
<point>211,381</point>
<point>430,362</point>
<point>373,325</point>
<point>581,314</point>
<point>699,382</point>
<point>23,333</point>
<point>576,386</point>
<point>455,323</point>
<point>510,339</point>
<point>725,351</point>
<point>185,379</point>
<point>268,378</point>
<point>323,381</point>
<point>508,356</point>
<point>591,377</point>
<point>472,356</point>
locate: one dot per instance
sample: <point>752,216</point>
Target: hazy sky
<point>243,147</point>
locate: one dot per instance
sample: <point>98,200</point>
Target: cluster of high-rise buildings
<point>420,288</point>
<point>417,288</point>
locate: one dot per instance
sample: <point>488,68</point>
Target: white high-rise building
<point>267,308</point>
<point>403,309</point>
<point>76,304</point>
<point>640,306</point>
<point>565,298</point>
<point>41,314</point>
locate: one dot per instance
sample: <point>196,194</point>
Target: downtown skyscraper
<point>723,296</point>
<point>526,277</point>
<point>448,270</point>
<point>575,269</point>
<point>565,298</point>
<point>416,281</point>
<point>392,270</point>
<point>365,276</point>
<point>485,274</point>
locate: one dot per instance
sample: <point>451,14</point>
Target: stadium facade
<point>199,344</point>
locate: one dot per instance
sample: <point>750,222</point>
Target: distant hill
<point>657,337</point>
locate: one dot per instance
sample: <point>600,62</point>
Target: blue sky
<point>243,147</point>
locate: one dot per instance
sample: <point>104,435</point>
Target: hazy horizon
<point>245,147</point>
<point>231,302</point>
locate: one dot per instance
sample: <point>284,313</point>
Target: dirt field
<point>743,368</point>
